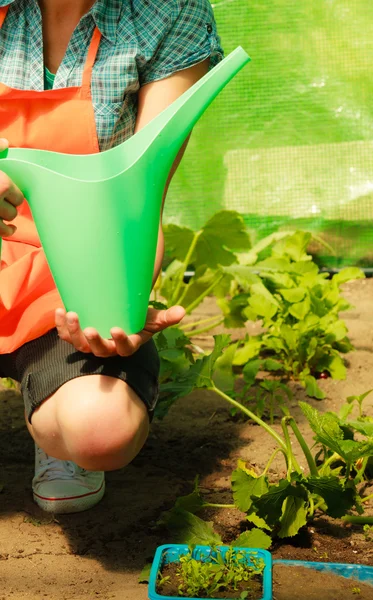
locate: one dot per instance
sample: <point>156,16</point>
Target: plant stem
<point>311,511</point>
<point>292,461</point>
<point>207,328</point>
<point>360,472</point>
<point>212,505</point>
<point>361,520</point>
<point>185,266</point>
<point>273,456</point>
<point>306,451</point>
<point>319,503</point>
<point>180,300</point>
<point>328,462</point>
<point>198,300</point>
<point>251,415</point>
<point>200,322</point>
<point>367,498</point>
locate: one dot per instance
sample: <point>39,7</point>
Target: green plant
<point>229,572</point>
<point>275,282</point>
<point>269,393</point>
<point>8,383</point>
<point>330,486</point>
<point>208,251</point>
<point>368,533</point>
<point>299,309</point>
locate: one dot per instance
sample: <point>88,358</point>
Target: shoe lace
<point>52,468</point>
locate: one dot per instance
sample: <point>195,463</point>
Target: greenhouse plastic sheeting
<point>289,142</point>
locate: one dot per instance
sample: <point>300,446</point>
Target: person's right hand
<point>10,198</point>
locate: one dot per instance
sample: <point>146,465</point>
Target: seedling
<point>368,533</point>
<point>229,573</point>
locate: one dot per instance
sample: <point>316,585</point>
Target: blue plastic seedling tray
<point>172,552</point>
<point>361,573</point>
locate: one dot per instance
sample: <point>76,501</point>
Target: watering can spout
<point>167,132</point>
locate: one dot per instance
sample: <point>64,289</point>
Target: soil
<point>170,588</point>
<point>293,583</point>
<point>99,554</point>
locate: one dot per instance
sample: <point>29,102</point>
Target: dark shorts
<point>43,365</point>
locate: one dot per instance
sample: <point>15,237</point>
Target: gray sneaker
<point>60,486</point>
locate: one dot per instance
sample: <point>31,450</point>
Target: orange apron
<point>60,120</point>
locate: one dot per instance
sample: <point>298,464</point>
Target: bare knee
<point>97,421</point>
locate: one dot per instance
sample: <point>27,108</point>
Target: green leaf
<point>359,399</point>
<point>290,336</point>
<point>187,528</point>
<point>223,233</point>
<point>348,274</point>
<point>243,275</point>
<point>269,505</point>
<point>145,574</point>
<point>257,521</point>
<point>157,305</point>
<point>312,388</point>
<point>255,538</point>
<point>364,427</point>
<point>277,280</point>
<point>337,498</point>
<point>245,486</point>
<point>233,310</point>
<point>191,503</point>
<point>171,338</point>
<point>352,450</point>
<point>177,240</point>
<point>326,426</point>
<point>294,516</point>
<point>262,306</point>
<point>274,264</point>
<point>248,351</point>
<point>205,367</point>
<point>261,290</point>
<point>345,411</point>
<point>305,268</point>
<point>223,375</point>
<point>270,364</point>
<point>293,246</point>
<point>335,366</point>
<point>249,258</point>
<point>299,310</point>
<point>199,374</point>
<point>294,295</point>
<point>251,370</point>
<point>336,332</point>
<point>199,284</point>
<point>329,433</point>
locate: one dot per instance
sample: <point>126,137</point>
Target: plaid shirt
<point>142,41</point>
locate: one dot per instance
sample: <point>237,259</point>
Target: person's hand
<point>90,341</point>
<point>10,198</point>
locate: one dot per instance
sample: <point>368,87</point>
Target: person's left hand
<point>90,341</point>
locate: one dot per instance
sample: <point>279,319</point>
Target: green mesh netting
<point>289,142</point>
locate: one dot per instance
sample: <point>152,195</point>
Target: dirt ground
<point>99,554</point>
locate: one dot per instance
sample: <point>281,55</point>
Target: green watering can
<point>98,215</point>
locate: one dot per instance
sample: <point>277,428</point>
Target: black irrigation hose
<point>368,271</point>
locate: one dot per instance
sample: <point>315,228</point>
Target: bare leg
<point>96,421</point>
